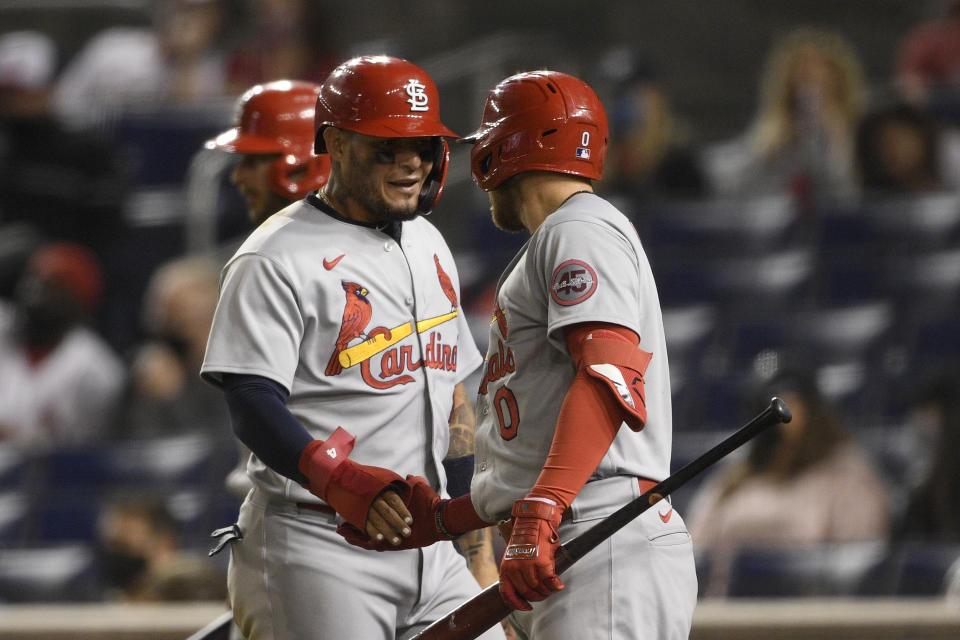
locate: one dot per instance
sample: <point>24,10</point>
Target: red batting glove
<point>348,487</point>
<point>434,519</point>
<point>527,572</point>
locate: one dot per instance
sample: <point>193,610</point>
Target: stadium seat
<point>921,568</point>
<point>689,332</point>
<point>822,570</point>
<point>849,277</point>
<point>840,332</point>
<point>13,518</point>
<point>720,227</point>
<point>936,341</point>
<point>928,281</point>
<point>14,468</point>
<point>915,223</point>
<point>62,573</point>
<point>172,461</point>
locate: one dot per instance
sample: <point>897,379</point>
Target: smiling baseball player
<point>574,405</point>
<point>340,344</point>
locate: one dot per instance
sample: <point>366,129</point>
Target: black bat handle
<point>571,551</point>
<point>486,609</point>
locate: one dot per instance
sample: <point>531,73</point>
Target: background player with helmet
<point>339,343</point>
<point>576,352</point>
<point>273,132</point>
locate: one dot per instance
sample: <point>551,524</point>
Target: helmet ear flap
<point>281,171</point>
<point>433,185</point>
<point>293,179</point>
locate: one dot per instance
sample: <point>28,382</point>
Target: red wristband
<point>457,516</point>
<point>321,457</point>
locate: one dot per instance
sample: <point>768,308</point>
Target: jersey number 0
<point>508,414</point>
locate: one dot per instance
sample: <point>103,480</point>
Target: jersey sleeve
<point>589,273</point>
<point>257,327</point>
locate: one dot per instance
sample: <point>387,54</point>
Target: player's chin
<point>505,221</point>
<point>255,211</point>
<point>401,207</point>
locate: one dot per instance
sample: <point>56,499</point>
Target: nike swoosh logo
<point>665,517</point>
<point>330,264</point>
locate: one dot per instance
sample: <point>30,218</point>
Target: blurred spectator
<point>63,184</point>
<point>649,154</point>
<point>285,39</point>
<point>141,559</point>
<point>928,65</point>
<point>802,483</point>
<point>897,151</point>
<point>182,58</point>
<point>165,395</point>
<point>932,512</point>
<point>59,381</point>
<point>801,141</point>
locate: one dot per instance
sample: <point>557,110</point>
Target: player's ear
<point>336,141</point>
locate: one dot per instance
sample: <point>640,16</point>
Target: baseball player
<point>273,130</point>
<point>574,404</point>
<point>273,133</point>
<point>339,343</point>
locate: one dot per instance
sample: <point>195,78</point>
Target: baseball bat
<point>369,348</point>
<point>486,609</point>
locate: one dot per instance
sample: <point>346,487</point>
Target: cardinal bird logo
<point>446,284</point>
<point>356,316</point>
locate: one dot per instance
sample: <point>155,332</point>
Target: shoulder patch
<point>573,282</point>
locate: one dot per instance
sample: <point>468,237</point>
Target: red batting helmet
<point>539,120</point>
<point>277,118</point>
<point>386,97</point>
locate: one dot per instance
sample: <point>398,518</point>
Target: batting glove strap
<point>542,508</point>
<point>535,522</point>
<point>321,458</point>
<point>527,571</point>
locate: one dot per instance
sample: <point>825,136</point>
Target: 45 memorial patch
<point>573,282</point>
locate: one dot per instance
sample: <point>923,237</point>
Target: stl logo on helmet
<point>418,98</point>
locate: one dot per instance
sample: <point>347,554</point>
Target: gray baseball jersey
<point>584,264</point>
<point>365,334</point>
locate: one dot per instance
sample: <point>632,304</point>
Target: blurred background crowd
<point>793,170</point>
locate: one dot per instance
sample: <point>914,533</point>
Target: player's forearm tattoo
<point>473,545</point>
<point>462,424</point>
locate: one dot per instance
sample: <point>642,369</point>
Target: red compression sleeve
<point>588,422</point>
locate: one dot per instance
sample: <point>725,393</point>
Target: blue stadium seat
<point>62,573</point>
<point>849,277</point>
<point>162,462</point>
<point>187,471</point>
<point>743,281</point>
<point>847,331</point>
<point>928,281</point>
<point>15,466</point>
<point>13,518</point>
<point>689,331</point>
<point>915,223</point>
<point>748,334</point>
<point>720,227</point>
<point>66,516</point>
<point>822,570</point>
<point>936,340</point>
<point>921,568</point>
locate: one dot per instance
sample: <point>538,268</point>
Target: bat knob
<point>780,409</point>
